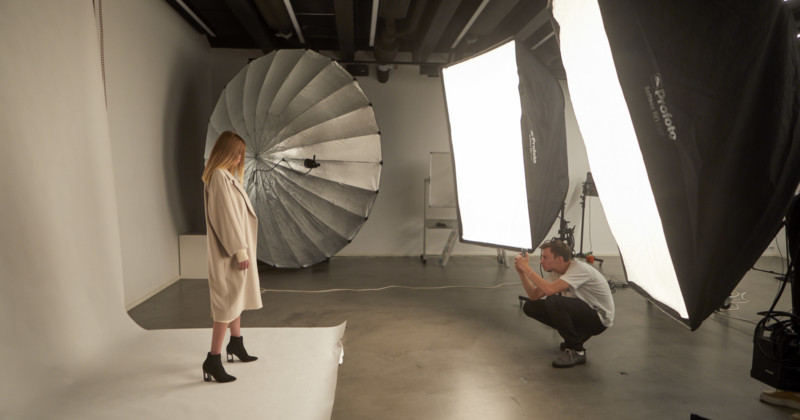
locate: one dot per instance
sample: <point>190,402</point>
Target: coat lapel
<point>241,190</point>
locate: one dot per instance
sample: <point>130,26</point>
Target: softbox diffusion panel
<point>506,119</point>
<point>689,112</point>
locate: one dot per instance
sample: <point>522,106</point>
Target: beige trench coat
<point>232,228</point>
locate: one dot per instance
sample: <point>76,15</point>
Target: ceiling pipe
<point>414,19</point>
<point>373,22</point>
<point>386,47</point>
<point>292,16</point>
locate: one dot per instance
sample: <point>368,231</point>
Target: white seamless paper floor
<point>158,375</point>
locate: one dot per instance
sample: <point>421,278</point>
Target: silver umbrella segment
<point>313,161</point>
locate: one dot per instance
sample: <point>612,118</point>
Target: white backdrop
<point>68,349</point>
<point>62,301</point>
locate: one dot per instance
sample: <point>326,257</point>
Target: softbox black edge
<point>720,140</point>
<point>491,245</point>
<point>543,142</point>
<point>664,308</point>
<point>461,239</point>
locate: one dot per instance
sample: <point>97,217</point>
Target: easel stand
<point>452,225</point>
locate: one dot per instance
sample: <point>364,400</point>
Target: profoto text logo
<point>532,146</point>
<point>657,98</point>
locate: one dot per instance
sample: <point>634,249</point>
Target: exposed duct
<point>387,45</point>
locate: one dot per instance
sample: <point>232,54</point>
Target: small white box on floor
<point>193,256</point>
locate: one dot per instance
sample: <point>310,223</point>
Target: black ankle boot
<point>212,367</point>
<point>236,346</point>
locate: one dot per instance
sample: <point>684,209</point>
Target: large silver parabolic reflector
<point>294,108</point>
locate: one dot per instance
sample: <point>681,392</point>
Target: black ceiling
<point>420,31</point>
<point>417,31</point>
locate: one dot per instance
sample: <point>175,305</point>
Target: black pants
<point>575,320</point>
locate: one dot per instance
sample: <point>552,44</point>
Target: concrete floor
<point>470,353</point>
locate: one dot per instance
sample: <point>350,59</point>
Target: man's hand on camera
<point>521,262</point>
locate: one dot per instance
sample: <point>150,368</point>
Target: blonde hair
<point>227,148</point>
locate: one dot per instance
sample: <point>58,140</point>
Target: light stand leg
<point>423,257</point>
<point>583,213</point>
<point>502,258</point>
<point>448,248</point>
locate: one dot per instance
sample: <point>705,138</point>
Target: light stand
<point>589,190</point>
<point>776,349</point>
<point>566,234</point>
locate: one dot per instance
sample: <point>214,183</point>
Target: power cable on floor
<point>735,307</point>
<point>264,290</point>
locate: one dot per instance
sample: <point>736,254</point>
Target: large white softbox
<point>689,112</point>
<point>507,135</point>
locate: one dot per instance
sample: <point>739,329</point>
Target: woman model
<point>232,231</point>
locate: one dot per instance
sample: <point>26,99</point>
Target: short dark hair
<point>558,248</point>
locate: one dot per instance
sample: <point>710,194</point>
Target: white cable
<point>742,297</point>
<point>736,318</point>
<point>734,305</point>
<point>264,290</point>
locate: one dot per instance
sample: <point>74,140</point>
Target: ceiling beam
<point>250,18</point>
<point>343,9</point>
<point>194,17</point>
<point>533,25</point>
<point>276,16</point>
<point>469,24</point>
<point>445,10</point>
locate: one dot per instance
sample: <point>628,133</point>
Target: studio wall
<point>411,115</point>
<point>61,295</point>
<point>158,75</point>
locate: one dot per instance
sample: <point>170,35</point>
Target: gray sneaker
<point>562,346</point>
<point>569,358</point>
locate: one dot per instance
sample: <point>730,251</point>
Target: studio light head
<point>311,163</point>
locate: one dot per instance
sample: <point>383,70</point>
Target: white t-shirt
<point>588,285</point>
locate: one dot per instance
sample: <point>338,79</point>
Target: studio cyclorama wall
<point>71,351</point>
<point>60,265</point>
<point>158,81</point>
